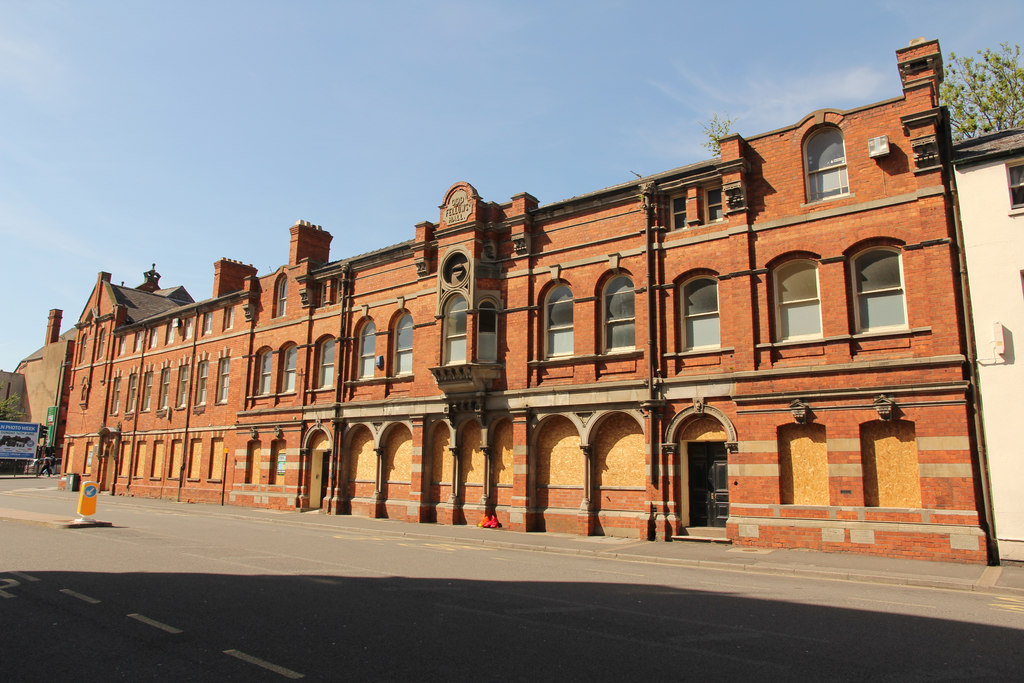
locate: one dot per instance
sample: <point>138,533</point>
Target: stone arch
<point>593,424</point>
<point>673,433</point>
<point>502,454</point>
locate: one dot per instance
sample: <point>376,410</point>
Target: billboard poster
<point>18,439</point>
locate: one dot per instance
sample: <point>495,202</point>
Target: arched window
<point>558,318</point>
<point>455,331</point>
<point>325,373</point>
<point>619,320</point>
<point>266,365</point>
<point>487,332</point>
<point>403,345</point>
<point>798,308</point>
<point>825,155</point>
<point>289,356</point>
<point>367,349</point>
<point>281,297</point>
<point>700,314</point>
<point>878,288</point>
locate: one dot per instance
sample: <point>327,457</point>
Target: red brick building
<point>768,342</point>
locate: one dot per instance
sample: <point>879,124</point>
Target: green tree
<point>10,409</point>
<point>716,128</point>
<point>984,93</point>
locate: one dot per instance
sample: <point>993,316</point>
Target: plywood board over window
<point>559,458</point>
<point>471,455</point>
<point>441,457</point>
<point>703,429</point>
<point>398,463</point>
<point>889,454</point>
<point>619,453</point>
<point>501,452</point>
<point>158,459</point>
<point>216,458</point>
<point>364,460</point>
<point>803,465</point>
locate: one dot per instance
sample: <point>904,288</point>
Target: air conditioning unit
<point>878,147</point>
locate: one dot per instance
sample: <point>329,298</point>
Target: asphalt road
<point>171,593</point>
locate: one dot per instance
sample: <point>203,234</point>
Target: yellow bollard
<point>87,499</point>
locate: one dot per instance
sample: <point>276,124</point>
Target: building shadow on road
<point>159,626</point>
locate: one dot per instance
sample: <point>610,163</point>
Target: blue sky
<point>178,132</point>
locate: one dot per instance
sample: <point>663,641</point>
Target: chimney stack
<point>53,325</point>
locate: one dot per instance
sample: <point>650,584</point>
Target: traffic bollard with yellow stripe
<point>87,500</point>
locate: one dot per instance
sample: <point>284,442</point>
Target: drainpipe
<point>188,411</point>
<point>652,289</point>
<point>988,513</point>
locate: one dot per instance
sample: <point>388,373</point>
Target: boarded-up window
<point>216,459</point>
<point>889,455</point>
<point>126,459</point>
<point>398,458</point>
<point>441,457</point>
<point>252,463</point>
<point>177,450</point>
<point>363,459</point>
<point>140,458</point>
<point>157,467</point>
<point>501,453</point>
<point>619,457</point>
<point>471,455</point>
<point>559,458</point>
<point>195,459</point>
<point>803,465</point>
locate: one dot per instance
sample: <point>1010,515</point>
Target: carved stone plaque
<point>458,208</point>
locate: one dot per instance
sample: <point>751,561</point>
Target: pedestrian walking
<point>47,466</point>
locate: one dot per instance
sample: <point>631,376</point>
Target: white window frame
<point>133,385</point>
<point>858,295</point>
<point>188,328</point>
<point>207,323</point>
<point>553,330</point>
<point>839,169</point>
<point>487,340</point>
<point>223,379</point>
<point>367,350</point>
<point>678,217</point>
<point>403,351</point>
<point>202,374</point>
<point>454,308</point>
<point>147,391</point>
<point>265,374</point>
<point>686,316</point>
<point>623,321</point>
<point>325,370</point>
<point>184,376</point>
<point>115,394</point>
<point>720,204</point>
<point>164,392</point>
<point>1017,187</point>
<point>780,306</point>
<point>281,297</point>
<point>289,365</point>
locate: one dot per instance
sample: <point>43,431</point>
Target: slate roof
<point>38,353</point>
<point>142,305</point>
<point>986,147</point>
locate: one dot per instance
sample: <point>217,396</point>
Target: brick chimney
<point>229,276</point>
<point>53,325</point>
<point>152,282</point>
<point>309,241</point>
<point>920,64</point>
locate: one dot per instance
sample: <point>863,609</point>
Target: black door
<point>709,483</point>
<point>325,471</point>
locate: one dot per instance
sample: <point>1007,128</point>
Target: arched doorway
<point>319,467</point>
<point>705,466</point>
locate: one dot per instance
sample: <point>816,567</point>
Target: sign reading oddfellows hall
<point>764,346</point>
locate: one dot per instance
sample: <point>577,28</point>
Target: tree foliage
<point>984,93</point>
<point>716,128</point>
<point>10,409</point>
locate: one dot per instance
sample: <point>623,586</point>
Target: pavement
<point>1006,579</point>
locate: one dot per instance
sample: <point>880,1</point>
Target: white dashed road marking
<point>154,623</point>
<point>24,577</point>
<point>287,673</point>
<point>83,598</point>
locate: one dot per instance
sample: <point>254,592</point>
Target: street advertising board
<point>18,439</point>
<point>51,425</point>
